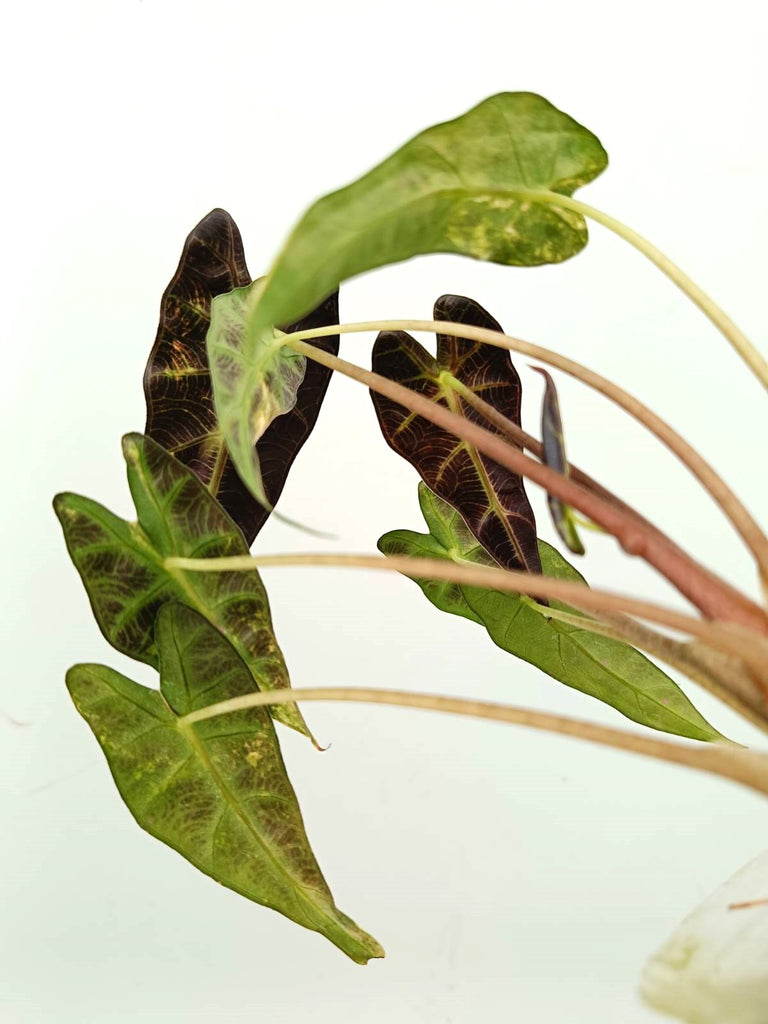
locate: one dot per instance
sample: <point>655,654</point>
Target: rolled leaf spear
<point>553,442</point>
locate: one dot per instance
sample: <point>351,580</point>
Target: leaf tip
<point>76,680</point>
<point>377,953</point>
<point>544,373</point>
<point>367,950</point>
<point>132,448</point>
<point>60,503</point>
<point>64,509</point>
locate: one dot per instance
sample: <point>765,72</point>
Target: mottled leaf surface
<point>553,441</point>
<point>122,565</point>
<point>215,790</point>
<point>177,380</point>
<point>608,669</point>
<point>490,498</point>
<point>467,186</point>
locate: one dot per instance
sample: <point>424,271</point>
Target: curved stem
<point>743,522</point>
<point>520,437</point>
<point>710,309</point>
<point>716,598</point>
<point>725,680</point>
<point>743,766</point>
<point>723,636</point>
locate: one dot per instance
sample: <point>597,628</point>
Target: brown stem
<point>734,509</point>
<point>731,639</point>
<point>719,674</point>
<point>523,439</point>
<point>744,766</point>
<point>714,597</point>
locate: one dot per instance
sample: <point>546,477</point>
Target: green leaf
<point>468,186</point>
<point>490,498</point>
<point>553,442</point>
<point>608,669</point>
<point>253,383</point>
<point>122,566</point>
<point>177,381</point>
<point>215,790</point>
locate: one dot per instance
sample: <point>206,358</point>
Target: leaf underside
<point>607,669</point>
<point>216,790</point>
<point>255,382</point>
<point>177,381</point>
<point>122,566</point>
<point>490,498</point>
<point>466,186</point>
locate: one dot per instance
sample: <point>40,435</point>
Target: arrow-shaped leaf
<point>215,790</point>
<point>602,667</point>
<point>491,499</point>
<point>122,566</point>
<point>471,186</point>
<point>177,380</point>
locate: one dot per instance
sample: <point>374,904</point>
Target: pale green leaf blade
<point>217,790</point>
<point>122,566</point>
<point>253,383</point>
<point>599,666</point>
<point>466,186</point>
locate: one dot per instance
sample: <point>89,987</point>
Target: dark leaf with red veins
<point>490,499</point>
<point>177,381</point>
<point>554,456</point>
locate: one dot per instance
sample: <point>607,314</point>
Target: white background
<point>509,875</point>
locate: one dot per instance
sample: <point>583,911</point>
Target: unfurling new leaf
<point>480,185</point>
<point>491,499</point>
<point>177,380</point>
<point>215,790</point>
<point>602,667</point>
<point>553,442</point>
<point>123,569</point>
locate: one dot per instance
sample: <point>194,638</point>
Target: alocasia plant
<point>232,395</point>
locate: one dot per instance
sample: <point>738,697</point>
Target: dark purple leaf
<point>177,381</point>
<point>490,499</point>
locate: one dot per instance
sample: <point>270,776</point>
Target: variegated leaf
<point>483,185</point>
